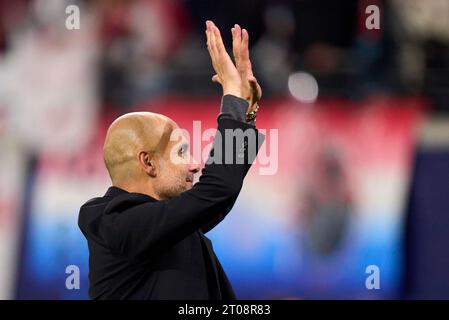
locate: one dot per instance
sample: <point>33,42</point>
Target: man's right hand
<point>226,72</point>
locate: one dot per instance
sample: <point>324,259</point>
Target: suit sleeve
<point>139,230</point>
<point>231,108</point>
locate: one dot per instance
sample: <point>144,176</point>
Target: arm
<point>231,108</point>
<point>251,91</point>
<point>135,226</point>
<point>145,227</point>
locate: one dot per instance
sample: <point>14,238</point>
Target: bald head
<point>131,134</point>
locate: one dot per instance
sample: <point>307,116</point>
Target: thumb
<point>255,87</point>
<point>216,78</point>
<point>252,80</point>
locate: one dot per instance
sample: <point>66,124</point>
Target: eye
<point>182,151</point>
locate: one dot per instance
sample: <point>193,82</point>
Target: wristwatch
<point>250,116</point>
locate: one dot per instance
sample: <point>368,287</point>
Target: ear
<point>147,163</point>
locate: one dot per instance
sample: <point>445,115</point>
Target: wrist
<point>235,91</point>
<point>233,107</point>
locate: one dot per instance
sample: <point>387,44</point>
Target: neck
<point>138,187</point>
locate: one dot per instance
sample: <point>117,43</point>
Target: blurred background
<point>356,175</point>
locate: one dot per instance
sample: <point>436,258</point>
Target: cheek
<point>176,174</point>
<point>182,172</point>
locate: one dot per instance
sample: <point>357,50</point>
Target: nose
<point>194,166</point>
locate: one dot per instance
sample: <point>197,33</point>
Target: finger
<point>245,53</point>
<point>209,24</point>
<point>236,44</point>
<point>210,46</point>
<point>253,83</point>
<point>220,48</point>
<point>213,46</point>
<point>208,40</point>
<point>209,37</point>
<point>219,41</point>
<point>222,54</point>
<point>245,47</point>
<point>216,78</point>
<point>212,41</point>
<point>234,53</point>
<point>255,88</point>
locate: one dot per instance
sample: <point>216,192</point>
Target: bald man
<point>146,234</point>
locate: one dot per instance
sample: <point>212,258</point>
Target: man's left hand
<point>251,89</point>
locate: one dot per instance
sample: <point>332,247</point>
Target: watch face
<point>251,115</point>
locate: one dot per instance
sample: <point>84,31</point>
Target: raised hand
<point>251,89</point>
<point>226,72</point>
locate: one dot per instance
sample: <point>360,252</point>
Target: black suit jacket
<point>142,248</point>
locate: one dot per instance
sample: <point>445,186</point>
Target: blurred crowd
<point>134,51</point>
